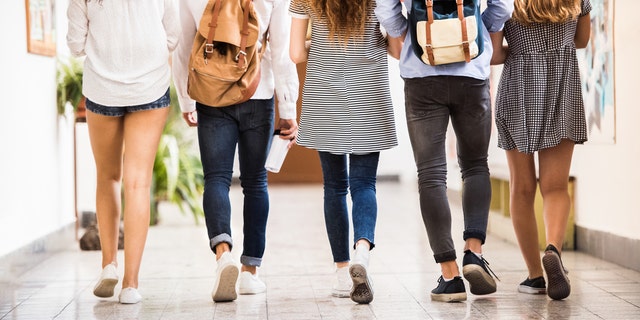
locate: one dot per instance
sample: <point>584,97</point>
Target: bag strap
<point>465,37</point>
<point>463,24</point>
<point>248,4</point>
<point>244,34</point>
<point>213,24</point>
<point>429,5</point>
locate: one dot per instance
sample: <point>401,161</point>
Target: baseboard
<point>609,247</point>
<point>21,260</point>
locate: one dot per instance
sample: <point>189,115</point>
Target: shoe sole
<point>105,288</point>
<point>361,291</point>
<point>449,297</point>
<point>225,289</point>
<point>250,291</point>
<point>530,290</point>
<point>480,282</point>
<point>558,286</point>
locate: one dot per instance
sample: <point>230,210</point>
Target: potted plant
<point>69,87</point>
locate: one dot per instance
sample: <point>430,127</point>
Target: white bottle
<point>277,152</point>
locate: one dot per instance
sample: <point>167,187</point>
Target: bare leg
<point>555,164</point>
<point>142,131</point>
<point>523,186</point>
<point>106,135</point>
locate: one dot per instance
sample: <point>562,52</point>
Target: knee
<point>557,188</point>
<point>522,190</point>
<point>473,167</point>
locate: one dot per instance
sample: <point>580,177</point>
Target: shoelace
<point>486,264</point>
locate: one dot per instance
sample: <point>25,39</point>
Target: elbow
<point>581,43</point>
<point>297,57</point>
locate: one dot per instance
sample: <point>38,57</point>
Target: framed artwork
<point>597,74</point>
<point>41,33</point>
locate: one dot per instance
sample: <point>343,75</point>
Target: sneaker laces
<point>486,264</point>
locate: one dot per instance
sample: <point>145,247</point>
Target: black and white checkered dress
<point>539,100</point>
<point>346,102</point>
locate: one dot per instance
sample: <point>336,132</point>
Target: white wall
<point>36,164</point>
<point>608,175</point>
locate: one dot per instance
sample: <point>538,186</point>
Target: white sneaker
<point>342,287</point>
<point>362,290</point>
<point>107,282</point>
<point>250,283</point>
<point>129,296</point>
<point>226,276</point>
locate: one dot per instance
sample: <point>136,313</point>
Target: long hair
<point>546,11</point>
<point>345,18</point>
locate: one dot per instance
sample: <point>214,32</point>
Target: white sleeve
<point>180,64</point>
<point>171,23</point>
<point>78,27</point>
<point>284,70</point>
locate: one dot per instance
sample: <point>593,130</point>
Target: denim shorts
<point>163,102</point>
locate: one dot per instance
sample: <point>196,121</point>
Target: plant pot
<point>81,110</point>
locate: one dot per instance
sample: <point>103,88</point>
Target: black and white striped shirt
<point>346,103</point>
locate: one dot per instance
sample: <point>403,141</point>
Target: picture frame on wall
<point>41,33</point>
<point>597,67</point>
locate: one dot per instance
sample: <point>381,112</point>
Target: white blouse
<point>127,46</point>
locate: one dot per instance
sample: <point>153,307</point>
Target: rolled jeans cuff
<point>219,239</point>
<point>475,234</point>
<point>250,261</point>
<point>445,256</point>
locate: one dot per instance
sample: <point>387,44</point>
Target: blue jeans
<point>430,103</point>
<point>358,177</point>
<point>249,126</point>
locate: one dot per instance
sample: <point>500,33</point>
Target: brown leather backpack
<point>224,67</point>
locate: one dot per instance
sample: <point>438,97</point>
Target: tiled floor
<point>178,273</point>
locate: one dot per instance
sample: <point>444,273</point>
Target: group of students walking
<point>347,116</point>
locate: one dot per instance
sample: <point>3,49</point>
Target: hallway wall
<point>36,168</point>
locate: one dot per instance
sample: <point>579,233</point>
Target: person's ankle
<point>250,269</point>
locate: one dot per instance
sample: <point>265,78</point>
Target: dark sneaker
<point>449,291</point>
<point>533,286</point>
<point>559,287</point>
<point>476,271</point>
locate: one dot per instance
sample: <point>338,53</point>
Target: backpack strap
<point>465,37</point>
<point>248,5</point>
<point>213,24</point>
<point>429,5</point>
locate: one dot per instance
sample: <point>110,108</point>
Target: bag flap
<point>448,32</point>
<point>229,23</point>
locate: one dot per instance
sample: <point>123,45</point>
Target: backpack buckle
<point>240,53</point>
<point>208,48</point>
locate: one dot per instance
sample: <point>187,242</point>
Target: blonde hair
<point>546,11</point>
<point>345,18</point>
